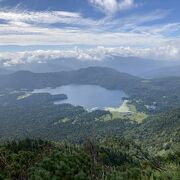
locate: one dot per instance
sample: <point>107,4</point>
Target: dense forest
<point>112,158</point>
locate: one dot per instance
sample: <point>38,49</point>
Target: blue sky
<point>88,29</point>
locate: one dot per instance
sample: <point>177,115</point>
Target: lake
<point>88,96</point>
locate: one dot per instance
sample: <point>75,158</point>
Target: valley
<point>93,103</point>
<point>110,95</point>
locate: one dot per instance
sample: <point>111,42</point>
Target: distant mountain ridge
<point>105,77</point>
<point>131,65</point>
<point>163,72</point>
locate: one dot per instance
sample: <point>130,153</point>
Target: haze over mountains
<point>164,72</point>
<point>4,71</point>
<point>145,68</point>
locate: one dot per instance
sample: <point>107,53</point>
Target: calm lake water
<point>88,96</point>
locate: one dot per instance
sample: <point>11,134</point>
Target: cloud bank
<point>93,54</point>
<point>140,35</point>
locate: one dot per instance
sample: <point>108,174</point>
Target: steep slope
<point>113,158</point>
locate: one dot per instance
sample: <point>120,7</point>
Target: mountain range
<point>145,68</point>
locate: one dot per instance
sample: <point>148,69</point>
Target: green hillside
<point>112,158</point>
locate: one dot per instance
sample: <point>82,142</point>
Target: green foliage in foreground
<point>111,159</point>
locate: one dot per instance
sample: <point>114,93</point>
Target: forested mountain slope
<point>105,77</point>
<point>112,158</point>
<point>160,133</point>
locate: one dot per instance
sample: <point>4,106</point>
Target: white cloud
<point>44,17</point>
<point>31,28</point>
<point>113,6</point>
<point>97,54</point>
<point>36,28</point>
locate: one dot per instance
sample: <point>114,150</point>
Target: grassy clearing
<point>124,108</point>
<point>125,111</point>
<point>145,81</point>
<point>138,117</point>
<point>26,95</point>
<point>64,120</point>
